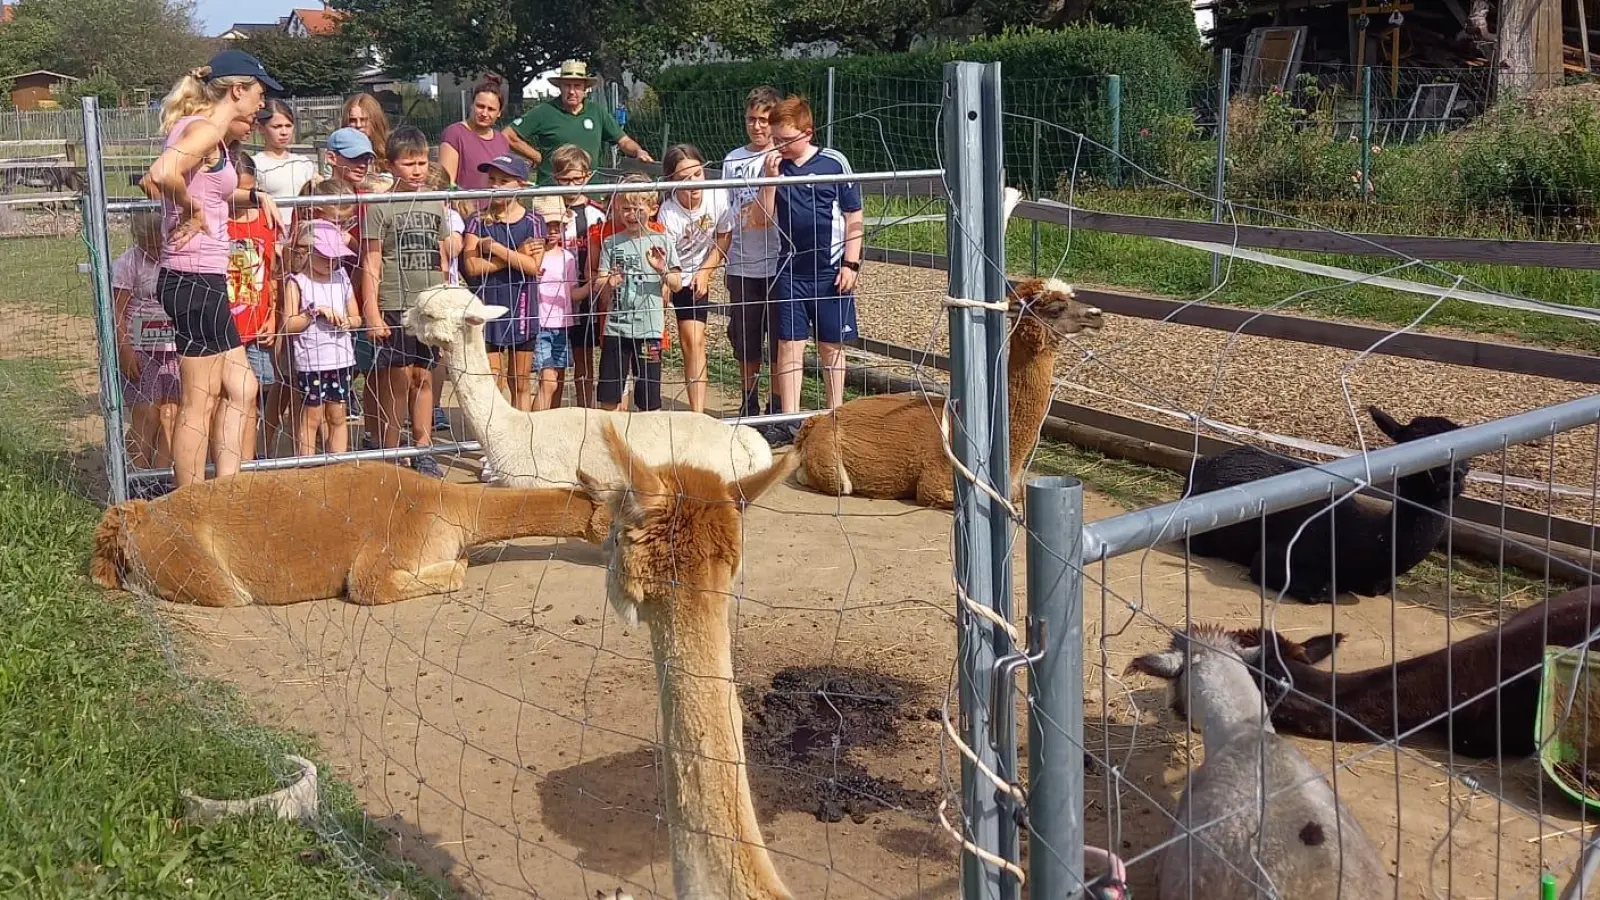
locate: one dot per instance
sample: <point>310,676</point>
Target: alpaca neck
<point>1419,520</point>
<point>478,396</point>
<point>504,514</point>
<point>1228,700</point>
<point>717,850</point>
<point>1030,371</point>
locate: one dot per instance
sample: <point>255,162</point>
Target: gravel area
<point>1275,386</point>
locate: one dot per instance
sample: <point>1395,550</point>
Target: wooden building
<point>36,90</point>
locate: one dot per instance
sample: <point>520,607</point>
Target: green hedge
<point>886,106</point>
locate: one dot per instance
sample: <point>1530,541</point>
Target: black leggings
<point>620,357</point>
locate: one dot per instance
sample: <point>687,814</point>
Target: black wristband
<point>851,265</point>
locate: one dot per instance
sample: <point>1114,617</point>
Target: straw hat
<point>575,70</point>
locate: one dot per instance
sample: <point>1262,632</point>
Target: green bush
<point>1537,162</point>
<point>887,106</point>
<point>1280,151</point>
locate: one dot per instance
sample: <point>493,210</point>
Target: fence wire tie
<point>992,305</point>
<point>959,466</point>
<point>998,862</point>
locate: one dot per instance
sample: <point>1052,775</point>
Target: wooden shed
<point>36,90</point>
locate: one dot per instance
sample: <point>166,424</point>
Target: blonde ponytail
<point>193,94</point>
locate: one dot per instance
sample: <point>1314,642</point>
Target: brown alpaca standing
<point>373,533</point>
<point>675,548</point>
<point>891,447</point>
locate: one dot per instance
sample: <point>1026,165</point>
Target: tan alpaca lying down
<point>890,447</point>
<point>374,533</point>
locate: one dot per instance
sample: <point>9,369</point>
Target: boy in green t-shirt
<point>641,270</point>
<point>406,249</point>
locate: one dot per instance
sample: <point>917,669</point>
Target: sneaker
<point>366,442</point>
<point>751,405</point>
<point>487,474</point>
<point>779,434</point>
<point>428,466</point>
<point>441,422</point>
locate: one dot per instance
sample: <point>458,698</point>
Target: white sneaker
<point>487,474</point>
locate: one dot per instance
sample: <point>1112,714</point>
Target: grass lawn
<point>1155,266</point>
<point>99,733</point>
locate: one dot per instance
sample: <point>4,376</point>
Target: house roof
<point>56,75</point>
<point>249,28</point>
<point>318,21</point>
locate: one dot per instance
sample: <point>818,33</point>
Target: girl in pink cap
<point>323,312</point>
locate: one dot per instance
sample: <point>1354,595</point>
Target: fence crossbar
<point>1145,528</point>
<point>563,190</point>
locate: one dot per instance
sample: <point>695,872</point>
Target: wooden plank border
<point>1528,525</point>
<point>1488,355</point>
<point>1489,251</point>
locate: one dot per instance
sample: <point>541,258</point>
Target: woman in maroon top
<point>465,145</point>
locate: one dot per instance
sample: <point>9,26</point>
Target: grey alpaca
<point>1361,563</point>
<point>1306,846</point>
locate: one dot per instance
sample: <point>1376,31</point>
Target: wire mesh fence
<point>501,726</point>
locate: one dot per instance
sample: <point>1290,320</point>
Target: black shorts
<point>202,318</point>
<point>689,308</point>
<point>751,321</point>
<point>400,348</point>
<point>639,357</point>
<point>584,331</point>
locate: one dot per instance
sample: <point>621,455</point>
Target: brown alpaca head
<point>674,528</point>
<point>1053,304</point>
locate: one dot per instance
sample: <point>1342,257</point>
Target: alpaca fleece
<point>1305,845</point>
<point>1373,547</point>
<point>1484,690</point>
<point>675,548</point>
<point>892,447</point>
<point>546,449</point>
<point>373,533</point>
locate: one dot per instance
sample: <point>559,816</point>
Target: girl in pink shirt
<point>146,354</point>
<point>323,314</point>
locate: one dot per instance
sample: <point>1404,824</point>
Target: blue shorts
<point>551,350</point>
<point>261,363</point>
<point>813,303</point>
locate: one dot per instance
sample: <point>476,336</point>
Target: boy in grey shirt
<point>640,269</point>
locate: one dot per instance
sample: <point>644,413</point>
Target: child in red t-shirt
<point>252,293</point>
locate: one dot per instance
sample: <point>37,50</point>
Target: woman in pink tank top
<point>198,186</point>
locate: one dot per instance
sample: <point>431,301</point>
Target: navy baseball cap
<point>510,164</point>
<point>230,63</point>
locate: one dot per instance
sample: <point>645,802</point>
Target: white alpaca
<point>1258,820</point>
<point>546,449</point>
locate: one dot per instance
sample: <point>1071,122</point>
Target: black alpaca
<point>1360,563</point>
<point>1482,692</point>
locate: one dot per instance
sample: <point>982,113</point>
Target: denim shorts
<point>261,363</point>
<point>552,350</point>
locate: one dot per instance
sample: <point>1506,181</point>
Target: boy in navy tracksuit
<point>820,227</point>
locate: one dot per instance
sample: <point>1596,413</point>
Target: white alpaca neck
<point>1227,700</point>
<point>480,399</point>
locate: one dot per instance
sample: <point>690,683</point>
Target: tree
<point>98,85</point>
<point>135,43</point>
<point>315,66</point>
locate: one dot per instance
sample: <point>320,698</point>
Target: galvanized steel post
<point>979,439</point>
<point>97,231</point>
<point>1221,180</point>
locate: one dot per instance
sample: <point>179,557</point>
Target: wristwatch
<point>852,265</point>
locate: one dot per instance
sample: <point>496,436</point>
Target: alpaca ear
<point>597,490</point>
<point>1168,664</point>
<point>637,477</point>
<point>1385,423</point>
<point>483,314</point>
<point>1322,646</point>
<point>1023,293</point>
<point>749,488</point>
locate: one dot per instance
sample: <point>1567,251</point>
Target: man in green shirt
<point>569,118</point>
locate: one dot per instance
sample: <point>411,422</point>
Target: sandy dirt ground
<point>504,734</point>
